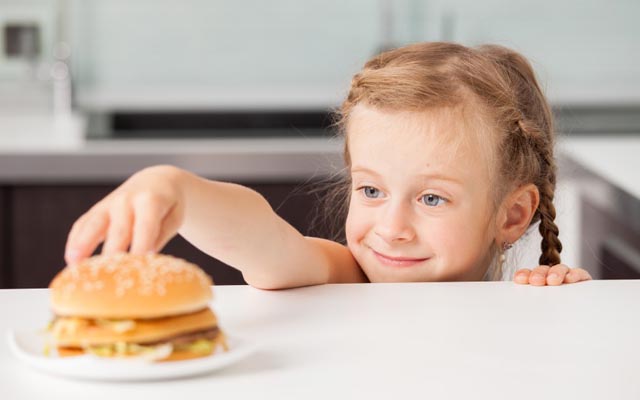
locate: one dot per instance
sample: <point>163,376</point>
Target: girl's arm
<point>227,221</point>
<point>236,225</point>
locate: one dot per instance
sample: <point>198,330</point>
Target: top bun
<point>127,286</point>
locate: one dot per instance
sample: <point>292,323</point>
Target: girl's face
<point>420,206</point>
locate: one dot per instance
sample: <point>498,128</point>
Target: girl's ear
<point>516,213</point>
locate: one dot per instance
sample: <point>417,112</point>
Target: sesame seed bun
<point>131,286</point>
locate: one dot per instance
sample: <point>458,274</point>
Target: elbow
<point>264,283</point>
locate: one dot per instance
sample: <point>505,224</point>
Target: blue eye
<point>432,200</point>
<point>371,192</point>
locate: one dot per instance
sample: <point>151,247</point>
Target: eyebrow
<point>430,176</point>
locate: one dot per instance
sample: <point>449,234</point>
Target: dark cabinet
<point>40,219</point>
<point>36,219</point>
<point>611,245</point>
<point>4,235</point>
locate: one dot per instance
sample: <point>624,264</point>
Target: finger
<point>556,274</point>
<point>149,213</point>
<point>85,235</point>
<point>120,225</point>
<point>170,226</point>
<point>522,276</point>
<point>72,251</point>
<point>577,275</point>
<point>538,276</point>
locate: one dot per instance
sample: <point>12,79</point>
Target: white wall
<point>583,51</point>
<point>222,43</point>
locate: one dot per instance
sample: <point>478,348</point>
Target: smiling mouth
<point>398,261</point>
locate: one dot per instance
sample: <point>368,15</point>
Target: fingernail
<point>553,276</point>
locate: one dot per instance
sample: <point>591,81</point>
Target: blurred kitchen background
<point>92,91</point>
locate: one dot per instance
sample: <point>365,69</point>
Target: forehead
<point>438,138</point>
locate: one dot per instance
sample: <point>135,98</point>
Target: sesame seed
<point>147,274</point>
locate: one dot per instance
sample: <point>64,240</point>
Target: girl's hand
<point>551,276</point>
<point>141,215</point>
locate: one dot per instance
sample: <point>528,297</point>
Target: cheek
<point>463,240</point>
<point>357,225</point>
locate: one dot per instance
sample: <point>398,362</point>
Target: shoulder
<point>343,268</point>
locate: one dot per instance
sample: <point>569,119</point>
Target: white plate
<point>29,348</point>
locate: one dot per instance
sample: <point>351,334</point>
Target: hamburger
<point>150,306</point>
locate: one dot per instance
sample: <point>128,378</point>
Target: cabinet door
<point>41,219</point>
<point>42,216</point>
<point>4,237</point>
<point>610,245</point>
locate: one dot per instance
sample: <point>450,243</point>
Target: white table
<point>493,340</point>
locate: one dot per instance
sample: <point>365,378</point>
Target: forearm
<point>237,226</point>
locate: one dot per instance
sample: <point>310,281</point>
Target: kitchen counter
<point>605,168</point>
<point>61,155</point>
<point>600,168</point>
<point>41,149</point>
<point>461,340</point>
<point>255,160</point>
<point>613,158</point>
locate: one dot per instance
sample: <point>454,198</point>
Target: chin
<point>431,270</point>
<point>378,273</point>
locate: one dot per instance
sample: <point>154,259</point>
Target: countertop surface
<point>42,149</point>
<point>45,150</point>
<point>493,340</point>
<point>254,160</point>
<point>614,158</point>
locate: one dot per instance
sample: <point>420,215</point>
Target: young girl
<point>449,152</point>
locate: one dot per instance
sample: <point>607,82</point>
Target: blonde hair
<point>501,85</point>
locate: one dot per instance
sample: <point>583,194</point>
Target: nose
<point>394,223</point>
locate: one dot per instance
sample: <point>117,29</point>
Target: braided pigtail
<point>541,147</point>
<point>531,145</point>
<point>550,245</point>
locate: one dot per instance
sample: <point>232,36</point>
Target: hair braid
<point>535,123</point>
<point>550,246</point>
